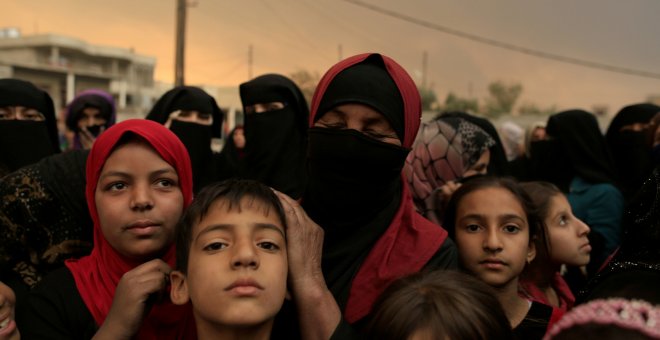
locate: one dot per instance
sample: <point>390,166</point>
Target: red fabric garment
<point>98,274</point>
<point>410,241</point>
<point>564,293</point>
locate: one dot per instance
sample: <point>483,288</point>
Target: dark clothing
<point>634,271</point>
<point>600,206</point>
<point>631,149</point>
<point>43,219</point>
<point>538,320</point>
<point>55,310</point>
<point>196,137</point>
<point>275,140</point>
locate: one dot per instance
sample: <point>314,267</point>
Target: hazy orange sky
<point>305,34</point>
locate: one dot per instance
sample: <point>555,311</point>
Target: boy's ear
<point>179,292</point>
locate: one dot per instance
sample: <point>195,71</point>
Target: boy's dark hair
<point>446,304</point>
<point>483,182</point>
<point>231,191</point>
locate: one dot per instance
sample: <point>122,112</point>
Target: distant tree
<point>455,103</point>
<point>502,98</point>
<point>535,110</point>
<point>600,110</point>
<point>429,98</point>
<point>307,82</point>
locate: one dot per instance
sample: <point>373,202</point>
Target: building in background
<point>65,66</point>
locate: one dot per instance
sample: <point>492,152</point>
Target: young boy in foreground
<point>232,260</point>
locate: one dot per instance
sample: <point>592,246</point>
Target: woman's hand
<point>304,244</point>
<point>136,292</point>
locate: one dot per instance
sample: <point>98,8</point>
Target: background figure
<point>561,241</point>
<point>231,158</point>
<point>575,158</point>
<point>194,117</point>
<point>521,166</point>
<point>447,150</point>
<point>627,138</point>
<point>88,115</point>
<point>28,126</point>
<point>513,140</point>
<point>276,117</point>
<point>438,305</point>
<point>609,319</point>
<point>498,165</point>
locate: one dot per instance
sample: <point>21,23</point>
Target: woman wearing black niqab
<point>364,118</point>
<point>28,127</point>
<point>627,138</point>
<point>194,116</point>
<point>275,126</point>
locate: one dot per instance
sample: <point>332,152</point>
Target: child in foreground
<point>562,241</point>
<point>139,181</point>
<point>232,260</point>
<point>438,305</point>
<point>493,223</point>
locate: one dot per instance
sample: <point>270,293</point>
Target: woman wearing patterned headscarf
<point>447,150</point>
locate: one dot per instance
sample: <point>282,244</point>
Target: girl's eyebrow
<point>123,174</point>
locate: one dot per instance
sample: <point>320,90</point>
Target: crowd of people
<point>344,218</point>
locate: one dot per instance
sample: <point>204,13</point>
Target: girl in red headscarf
<point>138,184</point>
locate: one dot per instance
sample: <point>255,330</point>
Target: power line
<point>508,46</point>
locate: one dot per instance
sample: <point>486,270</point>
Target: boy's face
<point>237,266</point>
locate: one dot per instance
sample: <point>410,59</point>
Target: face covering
<point>550,163</point>
<point>264,145</point>
<point>23,142</point>
<point>350,174</point>
<point>655,154</point>
<point>631,152</point>
<point>197,139</point>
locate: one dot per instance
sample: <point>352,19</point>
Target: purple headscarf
<point>101,100</point>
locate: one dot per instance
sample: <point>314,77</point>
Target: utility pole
<point>250,61</point>
<point>180,42</point>
<point>425,58</point>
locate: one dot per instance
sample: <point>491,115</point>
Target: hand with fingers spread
<point>304,243</point>
<point>317,309</point>
<point>136,292</point>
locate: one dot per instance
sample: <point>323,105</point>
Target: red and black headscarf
<point>365,254</point>
<point>98,274</point>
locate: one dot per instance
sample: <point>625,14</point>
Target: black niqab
<point>276,141</point>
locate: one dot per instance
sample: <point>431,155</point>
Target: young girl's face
<point>492,235</point>
<point>139,201</point>
<point>567,235</point>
